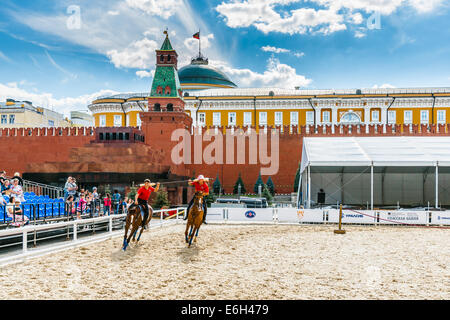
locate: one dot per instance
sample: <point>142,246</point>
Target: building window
<point>247,118</point>
<point>4,119</point>
<point>12,118</point>
<point>375,116</point>
<point>231,118</point>
<point>392,117</point>
<point>408,117</point>
<point>424,116</point>
<point>309,117</point>
<point>294,118</point>
<point>441,116</point>
<point>350,118</point>
<point>263,118</point>
<point>102,120</point>
<point>51,123</point>
<point>117,120</point>
<point>201,119</point>
<point>326,116</point>
<point>216,119</point>
<point>138,120</point>
<point>278,118</point>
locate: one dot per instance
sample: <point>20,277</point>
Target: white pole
<point>75,231</point>
<point>309,186</point>
<point>437,185</point>
<point>371,187</point>
<point>25,241</point>
<point>110,224</point>
<point>162,216</point>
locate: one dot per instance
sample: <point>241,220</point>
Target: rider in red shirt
<point>142,196</point>
<point>200,185</point>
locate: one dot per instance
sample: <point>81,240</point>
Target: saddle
<point>140,207</point>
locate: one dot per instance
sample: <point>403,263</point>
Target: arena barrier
<point>79,231</point>
<point>349,216</point>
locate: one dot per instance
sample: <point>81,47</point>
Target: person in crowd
<point>124,205</point>
<point>14,211</point>
<point>17,190</point>
<point>70,187</point>
<point>2,177</point>
<point>107,204</point>
<point>6,188</point>
<point>81,207</point>
<point>200,185</point>
<point>70,206</point>
<point>96,200</point>
<point>18,177</point>
<point>116,201</point>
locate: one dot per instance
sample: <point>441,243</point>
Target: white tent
<point>397,155</point>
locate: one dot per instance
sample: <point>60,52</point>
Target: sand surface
<point>245,262</point>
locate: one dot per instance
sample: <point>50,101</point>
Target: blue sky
<point>62,54</point>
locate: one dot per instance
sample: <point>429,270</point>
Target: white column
<point>437,185</point>
<point>318,116</point>
<point>334,118</point>
<point>309,186</point>
<point>383,116</point>
<point>367,114</point>
<point>371,187</point>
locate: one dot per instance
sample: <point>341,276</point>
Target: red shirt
<point>201,187</point>
<point>144,194</point>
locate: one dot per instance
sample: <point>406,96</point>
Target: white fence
<point>105,227</point>
<point>293,215</point>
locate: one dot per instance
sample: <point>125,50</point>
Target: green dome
<point>203,74</point>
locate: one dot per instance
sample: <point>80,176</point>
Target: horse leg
<point>127,226</point>
<point>191,236</point>
<point>196,235</point>
<point>136,223</point>
<point>186,232</point>
<point>142,230</point>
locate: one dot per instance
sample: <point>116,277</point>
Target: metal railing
<point>41,189</point>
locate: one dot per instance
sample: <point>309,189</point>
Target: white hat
<point>200,177</point>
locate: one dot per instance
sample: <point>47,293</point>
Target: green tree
<point>217,187</point>
<point>161,200</point>
<point>239,182</point>
<point>266,194</point>
<point>271,186</point>
<point>107,189</point>
<point>133,191</point>
<point>258,182</point>
<point>297,179</point>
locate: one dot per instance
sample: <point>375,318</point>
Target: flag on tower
<point>197,35</point>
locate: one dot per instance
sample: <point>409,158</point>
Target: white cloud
<point>299,54</point>
<point>192,43</point>
<point>63,105</point>
<point>384,86</point>
<point>164,8</point>
<point>4,57</point>
<point>113,13</point>
<point>332,16</point>
<point>140,55</point>
<point>276,75</point>
<point>274,49</point>
<point>145,74</point>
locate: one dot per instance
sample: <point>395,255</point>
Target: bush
<point>297,179</point>
<point>266,194</point>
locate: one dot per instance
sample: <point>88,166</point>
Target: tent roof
<point>381,151</point>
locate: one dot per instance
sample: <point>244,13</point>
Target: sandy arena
<point>245,262</point>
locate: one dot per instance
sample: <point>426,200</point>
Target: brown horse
<point>195,218</point>
<point>134,219</point>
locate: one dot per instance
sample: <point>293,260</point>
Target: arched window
<point>159,90</point>
<point>162,59</point>
<point>168,58</point>
<point>157,107</point>
<point>350,118</point>
<point>167,90</point>
<point>170,107</point>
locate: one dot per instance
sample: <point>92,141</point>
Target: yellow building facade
<point>271,107</point>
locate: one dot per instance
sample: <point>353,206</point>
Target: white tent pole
<point>437,185</point>
<point>309,186</point>
<point>371,186</point>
